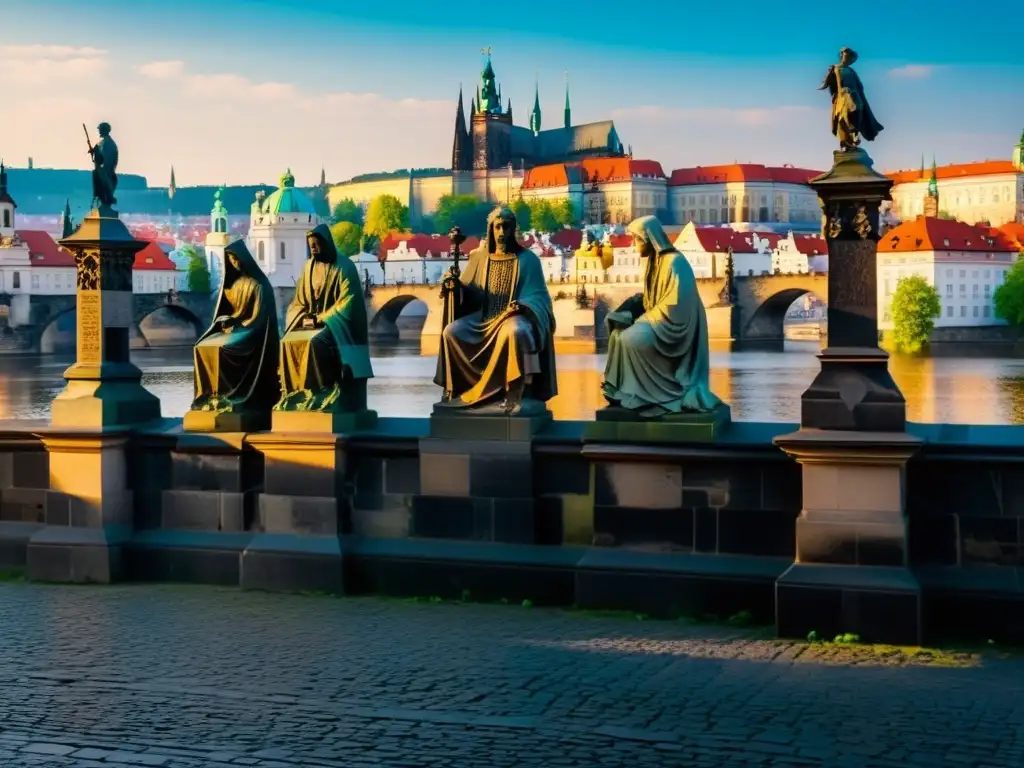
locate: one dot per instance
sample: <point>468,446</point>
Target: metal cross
<point>486,51</point>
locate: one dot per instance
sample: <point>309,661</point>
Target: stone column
<point>89,510</point>
<point>851,572</point>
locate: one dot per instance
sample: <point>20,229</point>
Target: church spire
<point>172,187</point>
<point>568,108</point>
<point>509,110</point>
<point>461,154</point>
<point>922,165</point>
<point>323,177</point>
<point>535,114</point>
<point>67,225</point>
<point>931,198</point>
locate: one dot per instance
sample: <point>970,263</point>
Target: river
<point>759,385</point>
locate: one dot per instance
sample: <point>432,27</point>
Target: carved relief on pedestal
<point>88,264</point>
<point>852,219</point>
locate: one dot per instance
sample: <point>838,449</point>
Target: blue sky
<point>237,90</point>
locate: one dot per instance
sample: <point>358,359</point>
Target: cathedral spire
<point>568,108</point>
<point>509,110</point>
<point>931,198</point>
<point>67,225</point>
<point>535,114</point>
<point>172,187</point>
<point>922,165</point>
<point>323,177</point>
<point>461,152</point>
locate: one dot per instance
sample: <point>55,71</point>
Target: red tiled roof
<point>621,241</point>
<point>437,245</point>
<point>567,239</point>
<point>153,257</point>
<point>748,172</point>
<point>1014,232</point>
<point>44,250</point>
<point>983,168</point>
<point>546,176</point>
<point>811,245</point>
<point>932,234</point>
<point>597,170</point>
<point>720,239</point>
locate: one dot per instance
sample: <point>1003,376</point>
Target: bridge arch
<point>161,326</point>
<point>59,334</point>
<point>769,318</point>
<point>384,315</point>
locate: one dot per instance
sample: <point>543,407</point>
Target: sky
<point>238,91</point>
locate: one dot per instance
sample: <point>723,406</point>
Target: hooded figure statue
<point>236,359</point>
<point>500,347</point>
<point>325,356</point>
<point>658,341</point>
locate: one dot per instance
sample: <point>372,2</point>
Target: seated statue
<point>497,349</point>
<point>325,357</point>
<point>658,340</point>
<point>236,359</point>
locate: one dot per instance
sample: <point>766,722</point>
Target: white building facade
<point>278,225</point>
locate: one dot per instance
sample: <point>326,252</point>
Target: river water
<point>759,385</point>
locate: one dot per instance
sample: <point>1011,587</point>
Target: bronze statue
<point>498,349</point>
<point>236,359</point>
<point>104,171</point>
<point>852,117</point>
<point>658,341</point>
<point>325,357</point>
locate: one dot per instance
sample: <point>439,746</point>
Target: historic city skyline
<point>237,92</point>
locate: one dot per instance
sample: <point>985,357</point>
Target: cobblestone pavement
<point>199,676</point>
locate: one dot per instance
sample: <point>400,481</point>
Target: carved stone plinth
<point>618,425</point>
<point>103,386</point>
<point>854,390</point>
<point>297,544</point>
<point>851,572</point>
<point>213,421</point>
<point>88,509</point>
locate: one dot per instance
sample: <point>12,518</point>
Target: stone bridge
<point>47,312</point>
<point>757,313</point>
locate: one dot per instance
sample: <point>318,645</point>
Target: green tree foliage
<point>347,210</point>
<point>524,216</point>
<point>542,216</point>
<point>386,214</point>
<point>1009,297</point>
<point>347,237</point>
<point>467,212</point>
<point>915,305</point>
<point>565,212</point>
<point>198,271</point>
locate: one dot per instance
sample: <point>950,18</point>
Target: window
<point>975,311</point>
<point>963,311</point>
<point>949,311</point>
<point>988,290</point>
<point>963,290</point>
<point>888,287</point>
<point>985,310</point>
<point>259,250</point>
<point>974,290</point>
<point>35,280</point>
<point>16,280</point>
<point>280,254</point>
<point>7,217</point>
<point>949,289</point>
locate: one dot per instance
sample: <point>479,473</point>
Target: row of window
<point>261,252</point>
<point>976,311</point>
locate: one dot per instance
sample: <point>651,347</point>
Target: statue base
<point>489,422</point>
<point>214,421</point>
<point>850,165</point>
<point>105,395</point>
<point>618,425</point>
<point>342,422</point>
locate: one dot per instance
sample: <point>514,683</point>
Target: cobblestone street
<point>199,676</point>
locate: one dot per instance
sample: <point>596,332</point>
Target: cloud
<point>913,71</point>
<point>162,70</point>
<point>751,116</point>
<point>35,65</point>
<point>49,52</point>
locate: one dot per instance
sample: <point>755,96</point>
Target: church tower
<point>462,151</point>
<point>568,108</point>
<point>492,127</point>
<point>535,114</point>
<point>931,198</point>
<point>67,224</point>
<point>1018,153</point>
<point>216,240</point>
<point>7,206</point>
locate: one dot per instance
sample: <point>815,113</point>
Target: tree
<point>523,215</point>
<point>347,210</point>
<point>347,237</point>
<point>467,212</point>
<point>198,271</point>
<point>565,212</point>
<point>1009,297</point>
<point>915,305</point>
<point>386,214</point>
<point>542,215</point>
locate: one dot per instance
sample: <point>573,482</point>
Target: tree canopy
<point>347,237</point>
<point>385,214</point>
<point>524,216</point>
<point>198,271</point>
<point>347,210</point>
<point>467,212</point>
<point>915,305</point>
<point>542,216</point>
<point>1009,297</point>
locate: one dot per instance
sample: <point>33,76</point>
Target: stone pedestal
<point>618,425</point>
<point>88,509</point>
<point>854,389</point>
<point>851,572</point>
<point>211,421</point>
<point>103,386</point>
<point>297,544</point>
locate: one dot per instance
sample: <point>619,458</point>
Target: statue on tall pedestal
<point>325,355</point>
<point>658,341</point>
<point>104,171</point>
<point>497,352</point>
<point>852,117</point>
<point>236,373</point>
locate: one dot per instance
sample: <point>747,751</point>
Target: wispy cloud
<point>35,65</point>
<point>913,71</point>
<point>721,115</point>
<point>162,70</point>
<point>49,52</point>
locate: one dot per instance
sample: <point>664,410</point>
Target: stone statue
<point>498,350</point>
<point>104,171</point>
<point>852,117</point>
<point>236,359</point>
<point>658,340</point>
<point>325,357</point>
